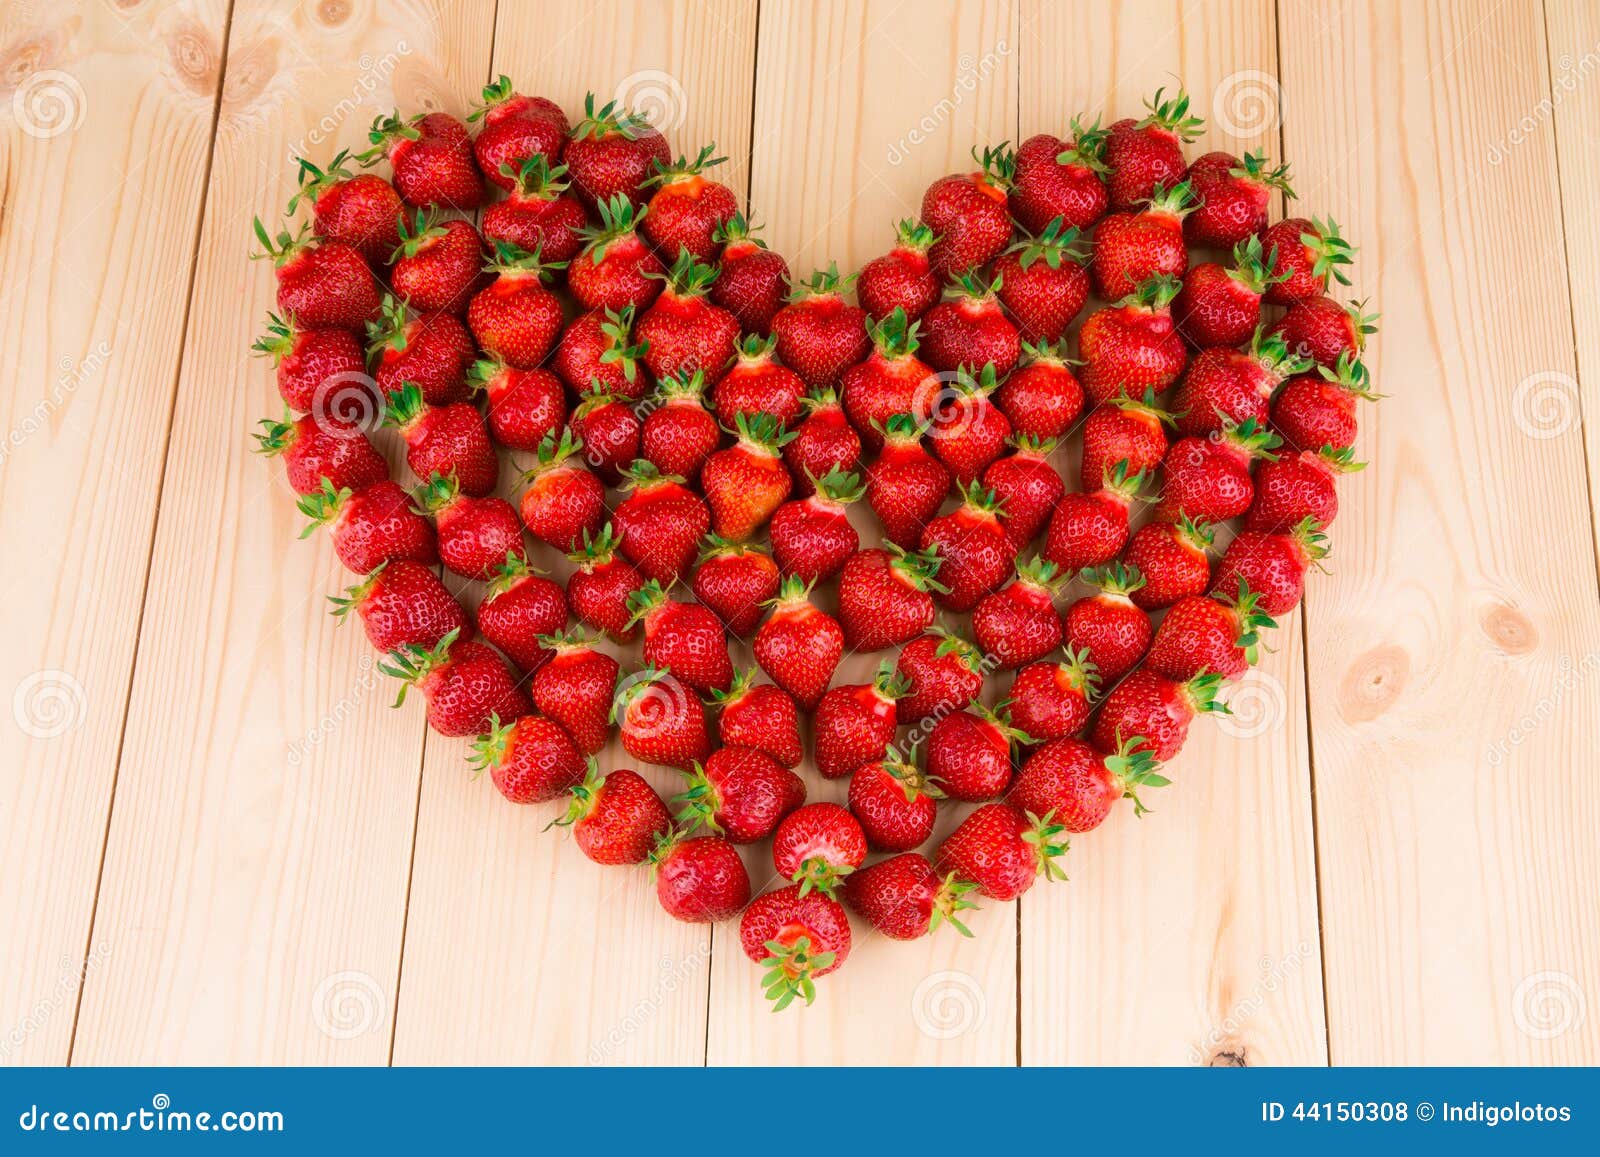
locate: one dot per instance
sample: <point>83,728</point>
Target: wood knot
<point>1509,629</point>
<point>23,59</point>
<point>250,71</point>
<point>193,58</point>
<point>1228,1059</point>
<point>1373,683</point>
<point>333,13</point>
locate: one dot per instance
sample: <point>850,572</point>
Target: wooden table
<point>219,844</point>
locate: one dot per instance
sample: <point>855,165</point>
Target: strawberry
<point>356,210</point>
<point>613,153</point>
<point>660,523</point>
<point>752,281</point>
<point>854,722</point>
<point>1018,623</point>
<point>314,366</point>
<point>431,156</point>
<point>1173,560</point>
<point>525,406</point>
<point>575,687</point>
<point>824,442</point>
<point>563,504</point>
<point>516,319</point>
<point>819,334</point>
<point>1273,565</point>
<point>600,346</point>
<point>376,526</point>
<point>438,265</point>
<point>1309,253</point>
<point>1219,633</point>
<point>684,639</point>
<point>1233,196</point>
<point>609,430</point>
<point>1321,329</point>
<point>1218,306</point>
<point>1078,786</point>
<point>679,434</point>
<point>905,899</point>
<point>1060,179</point>
<point>967,213</point>
<point>894,802</point>
<point>892,380</point>
<point>969,431</point>
<point>684,333</point>
<point>1041,397</point>
<point>616,269</point>
<point>902,278</point>
<point>969,754</point>
<point>1051,700</point>
<point>1208,479</point>
<point>969,330</point>
<point>686,210</point>
<point>1298,485</point>
<point>906,485</point>
<point>1131,247</point>
<point>1149,152</point>
<point>884,596</point>
<point>759,715</point>
<point>1132,346</point>
<point>469,689</point>
<point>520,614</point>
<point>598,590</point>
<point>817,846</point>
<point>403,604</point>
<point>530,759</point>
<point>476,534</point>
<point>616,818</point>
<point>432,350</point>
<point>445,440</point>
<point>321,284</point>
<point>1228,385</point>
<point>516,130</point>
<point>741,793</point>
<point>539,216</point>
<point>974,552</point>
<point>1315,410</point>
<point>659,720</point>
<point>1123,430</point>
<point>699,880</point>
<point>1091,529</point>
<point>1028,488</point>
<point>1107,627</point>
<point>1001,850</point>
<point>757,384</point>
<point>811,537</point>
<point>317,450</point>
<point>748,481</point>
<point>797,937</point>
<point>943,673</point>
<point>735,580</point>
<point>1149,712</point>
<point>799,644</point>
<point>1043,283</point>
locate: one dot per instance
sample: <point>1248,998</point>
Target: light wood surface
<point>219,844</point>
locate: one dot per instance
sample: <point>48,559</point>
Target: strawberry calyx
<point>761,434</point>
<point>948,899</point>
<point>513,261</point>
<point>1133,766</point>
<point>1249,438</point>
<point>1328,250</point>
<point>566,642</point>
<point>279,340</point>
<point>998,721</point>
<point>1172,116</point>
<point>489,749</point>
<point>912,236</point>
<point>737,229</point>
<point>1256,169</point>
<point>618,328</point>
<point>594,398</point>
<point>889,683</point>
<point>611,119</point>
<point>597,550</point>
<point>1251,620</point>
<point>314,181</point>
<point>1253,269</point>
<point>1309,540</point>
<point>508,574</point>
<point>684,386</point>
<point>355,595</point>
<point>1200,693</point>
<point>534,179</point>
<point>1362,324</point>
<point>967,386</point>
<point>1271,353</point>
<point>1081,671</point>
<point>642,474</point>
<point>1046,840</point>
<point>485,371</point>
<point>972,291</point>
<point>404,406</point>
<point>700,800</point>
<point>645,601</point>
<point>1118,579</point>
<point>683,168</point>
<point>1176,202</point>
<point>1048,353</point>
<point>687,277</point>
<point>284,247</point>
<point>1153,295</point>
<point>894,337</point>
<point>1197,536</point>
<point>997,167</point>
<point>388,130</point>
<point>277,436</point>
<point>1146,405</point>
<point>618,221</point>
<point>823,283</point>
<point>1031,446</point>
<point>494,94</point>
<point>1350,374</point>
<point>1059,242</point>
<point>902,429</point>
<point>755,350</point>
<point>965,651</point>
<point>438,493</point>
<point>413,662</point>
<point>905,768</point>
<point>789,971</point>
<point>1339,461</point>
<point>1121,486</point>
<point>552,454</point>
<point>322,506</point>
<point>837,488</point>
<point>1041,574</point>
<point>715,546</point>
<point>416,233</point>
<point>981,502</point>
<point>744,678</point>
<point>1087,148</point>
<point>584,797</point>
<point>916,568</point>
<point>388,331</point>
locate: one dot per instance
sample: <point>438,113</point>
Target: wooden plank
<point>1190,935</point>
<point>518,949</point>
<point>103,150</point>
<point>254,883</point>
<point>1453,651</point>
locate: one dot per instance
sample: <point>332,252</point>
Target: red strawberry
<point>1133,246</point>
<point>1018,623</point>
<point>1028,488</point>
<point>476,534</point>
<point>906,485</point>
<point>811,537</point>
<point>321,284</point>
<point>598,590</point>
<point>736,580</point>
<point>797,937</point>
<point>314,366</point>
<point>376,526</point>
<point>445,440</point>
<point>757,384</point>
<point>539,216</point>
<point>686,210</point>
<point>403,604</point>
<point>1132,347</point>
<point>660,523</point>
<point>356,210</point>
<point>1228,385</point>
<point>1273,565</point>
<point>317,450</point>
<point>683,332</point>
<point>823,443</point>
<point>1321,329</point>
<point>759,715</point>
<point>613,153</point>
<point>684,639</point>
<point>659,720</point>
<point>1123,431</point>
<point>438,265</point>
<point>575,687</point>
<point>468,687</point>
<point>969,330</point>
<point>520,613</point>
<point>969,754</point>
<point>1149,712</point>
<point>1051,700</point>
<point>563,504</point>
<point>1315,410</point>
<point>884,596</point>
<point>1042,397</point>
<point>820,335</point>
<point>700,880</point>
<point>748,481</point>
<point>894,803</point>
<point>530,759</point>
<point>943,673</point>
<point>1061,179</point>
<point>974,553</point>
<point>1145,153</point>
<point>967,213</point>
<point>679,434</point>
<point>1218,306</point>
<point>1208,479</point>
<point>741,793</point>
<point>854,722</point>
<point>1309,252</point>
<point>1219,633</point>
<point>905,899</point>
<point>1233,197</point>
<point>616,269</point>
<point>799,645</point>
<point>1090,529</point>
<point>817,846</point>
<point>516,129</point>
<point>516,319</point>
<point>892,380</point>
<point>1078,786</point>
<point>616,818</point>
<point>1002,850</point>
<point>902,278</point>
<point>1299,485</point>
<point>609,430</point>
<point>969,431</point>
<point>1172,559</point>
<point>753,280</point>
<point>1043,283</point>
<point>1107,627</point>
<point>525,406</point>
<point>431,156</point>
<point>600,346</point>
<point>433,350</point>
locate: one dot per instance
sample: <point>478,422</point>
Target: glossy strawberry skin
<point>1114,433</point>
<point>969,433</point>
<point>1141,157</point>
<point>575,689</point>
<point>852,725</point>
<point>1132,247</point>
<point>625,274</point>
<point>819,832</point>
<point>327,285</point>
<point>661,721</point>
<point>1144,704</point>
<point>687,639</point>
<point>360,212</point>
<point>661,525</point>
<point>405,605</point>
<point>880,387</point>
<point>1321,329</point>
<point>685,214</point>
<point>906,485</point>
<point>685,334</point>
<point>988,850</point>
<point>1128,349</point>
<point>903,278</point>
<point>1273,565</point>
<point>751,285</point>
<point>1044,188</point>
<point>437,167</point>
<point>560,505</point>
<point>1296,486</point>
<point>1197,635</point>
<point>977,556</point>
<point>758,385</point>
<point>968,214</point>
<point>1310,412</point>
<point>678,436</point>
<point>586,354</point>
<point>820,337</point>
<point>476,535</point>
<point>514,617</point>
<point>1042,299</point>
<point>434,351</point>
<point>598,592</point>
<point>379,525</point>
<point>896,896</point>
<point>784,916</point>
<point>473,685</point>
<point>319,367</point>
<point>735,583</point>
<point>610,432</point>
<point>1017,625</point>
<point>544,225</point>
<point>969,758</point>
<point>525,407</point>
<point>516,319</point>
<point>441,269</point>
<point>1111,630</point>
<point>1172,565</point>
<point>939,684</point>
<point>605,163</point>
<point>968,333</point>
<point>824,441</point>
<point>750,792</point>
<point>879,608</point>
<point>799,646</point>
<point>623,821</point>
<point>1287,237</point>
<point>1029,490</point>
<point>744,485</point>
<point>319,448</point>
<point>812,538</point>
<point>1216,309</point>
<point>1048,702</point>
<point>1042,398</point>
<point>891,821</point>
<point>1067,780</point>
<point>1086,530</point>
<point>702,880</point>
<point>767,718</point>
<point>453,440</point>
<point>540,762</point>
<point>1232,207</point>
<point>1204,480</point>
<point>1222,385</point>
